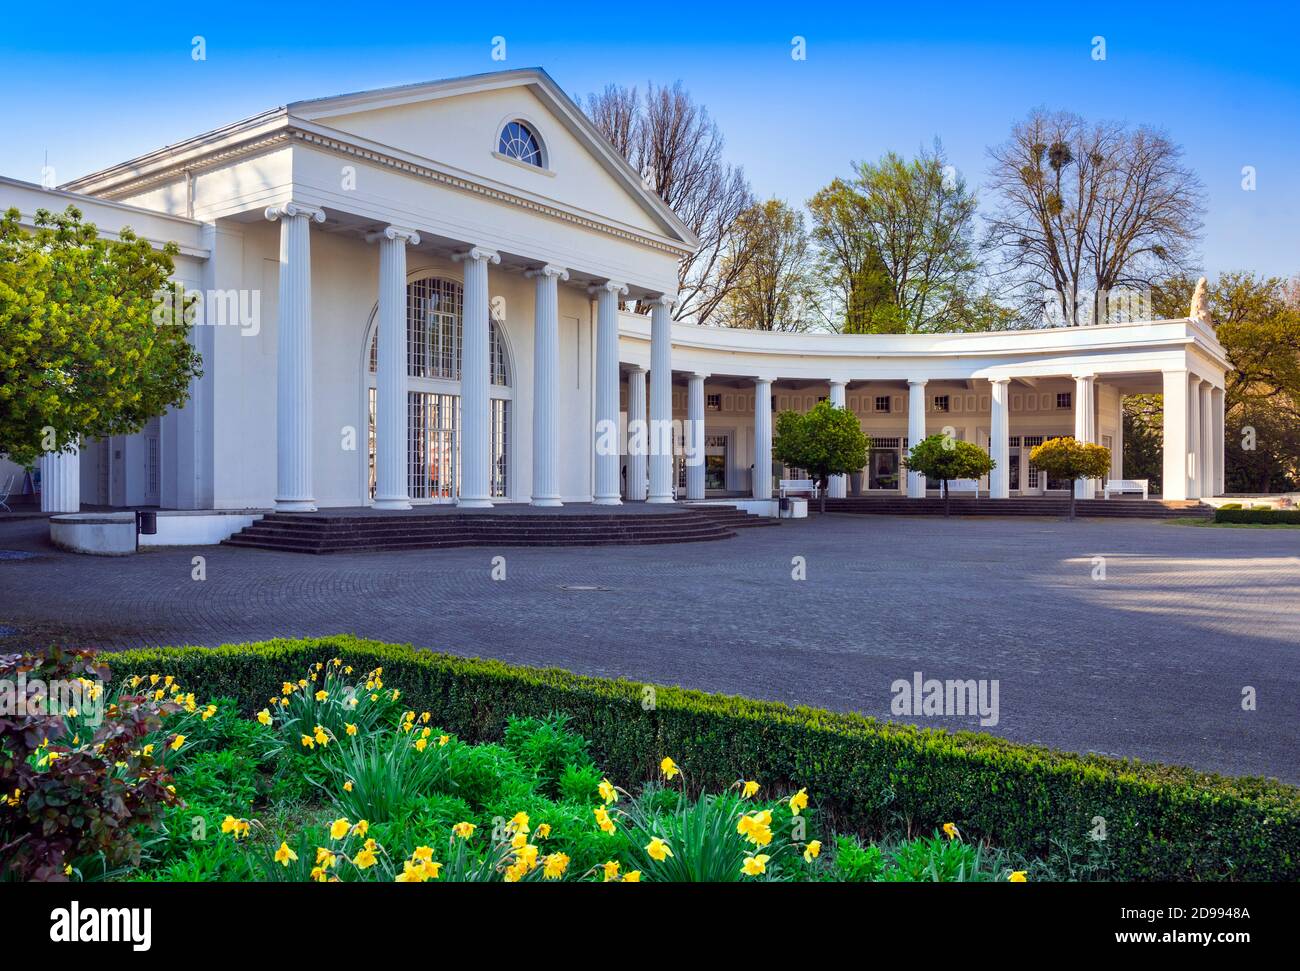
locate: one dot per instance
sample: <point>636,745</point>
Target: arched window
<point>434,322</point>
<point>521,143</point>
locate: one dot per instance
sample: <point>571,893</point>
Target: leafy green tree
<point>81,353</point>
<point>1065,458</point>
<point>826,441</point>
<point>896,245</point>
<point>945,458</point>
<point>1257,320</point>
<point>774,287</point>
<point>1144,439</point>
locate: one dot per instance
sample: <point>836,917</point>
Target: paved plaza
<point>1144,652</point>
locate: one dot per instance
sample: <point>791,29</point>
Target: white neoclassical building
<point>412,295</point>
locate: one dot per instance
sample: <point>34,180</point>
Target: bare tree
<point>677,148</point>
<point>1087,209</point>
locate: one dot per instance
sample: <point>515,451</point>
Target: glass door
<point>884,468</point>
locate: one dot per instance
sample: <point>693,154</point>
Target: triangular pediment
<point>457,124</point>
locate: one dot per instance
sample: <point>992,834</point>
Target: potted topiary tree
<point>826,441</point>
<point>1065,458</point>
<point>946,458</point>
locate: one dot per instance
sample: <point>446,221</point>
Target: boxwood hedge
<point>1161,822</point>
<point>1263,516</point>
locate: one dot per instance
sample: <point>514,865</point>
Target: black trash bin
<point>146,522</point>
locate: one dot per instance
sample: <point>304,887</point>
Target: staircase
<point>327,532</point>
<point>732,517</point>
<point>1028,506</point>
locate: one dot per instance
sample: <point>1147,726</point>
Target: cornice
<point>338,145</point>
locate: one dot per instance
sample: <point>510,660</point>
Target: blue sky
<point>95,86</point>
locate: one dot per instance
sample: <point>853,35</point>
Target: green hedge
<point>1258,516</point>
<point>1162,822</point>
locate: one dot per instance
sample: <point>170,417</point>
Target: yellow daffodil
<point>321,737</point>
<point>308,742</point>
<point>177,742</point>
<point>602,819</point>
<point>423,853</point>
<point>812,850</point>
<point>365,859</point>
<point>611,870</point>
<point>658,849</point>
<point>339,829</point>
<point>351,728</point>
<point>464,830</point>
<point>322,694</point>
<point>950,830</point>
<point>607,792</point>
<point>543,830</point>
<point>347,786</point>
<point>554,865</point>
<point>421,744</point>
<point>319,874</point>
<point>519,822</point>
<point>147,750</point>
<point>754,865</point>
<point>209,711</point>
<point>288,688</point>
<point>749,789</point>
<point>362,828</point>
<point>153,679</point>
<point>325,857</point>
<point>1019,876</point>
<point>669,768</point>
<point>424,718</point>
<point>284,855</point>
<point>264,716</point>
<point>799,801</point>
<point>443,740</point>
<point>633,876</point>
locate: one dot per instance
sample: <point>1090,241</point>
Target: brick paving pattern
<point>1149,662</point>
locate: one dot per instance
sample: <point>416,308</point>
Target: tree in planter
<point>826,441</point>
<point>1065,458</point>
<point>946,458</point>
<point>87,349</point>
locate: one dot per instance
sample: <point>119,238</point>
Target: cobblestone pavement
<point>1150,661</point>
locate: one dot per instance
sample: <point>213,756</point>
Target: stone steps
<point>334,533</point>
<point>1035,506</point>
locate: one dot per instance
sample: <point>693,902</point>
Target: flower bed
<point>866,778</point>
<point>335,780</point>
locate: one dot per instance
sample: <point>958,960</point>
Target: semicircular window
<point>520,143</point>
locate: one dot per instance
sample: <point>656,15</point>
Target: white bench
<point>798,485</point>
<point>1121,486</point>
<point>962,485</point>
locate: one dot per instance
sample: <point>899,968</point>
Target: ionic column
<point>636,454</point>
<point>293,361</point>
<point>1085,424</point>
<point>1217,420</point>
<point>391,429</point>
<point>915,433</point>
<point>546,391</point>
<point>762,484</point>
<point>661,400</point>
<point>838,486</point>
<point>1194,473</point>
<point>475,378</point>
<point>1175,435</point>
<point>693,435</point>
<point>1000,440</point>
<point>1208,473</point>
<point>61,480</point>
<point>606,430</point>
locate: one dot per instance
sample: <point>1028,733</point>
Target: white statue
<point>1200,309</point>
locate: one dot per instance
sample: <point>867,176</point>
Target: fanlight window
<point>519,142</point>
<point>433,334</point>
